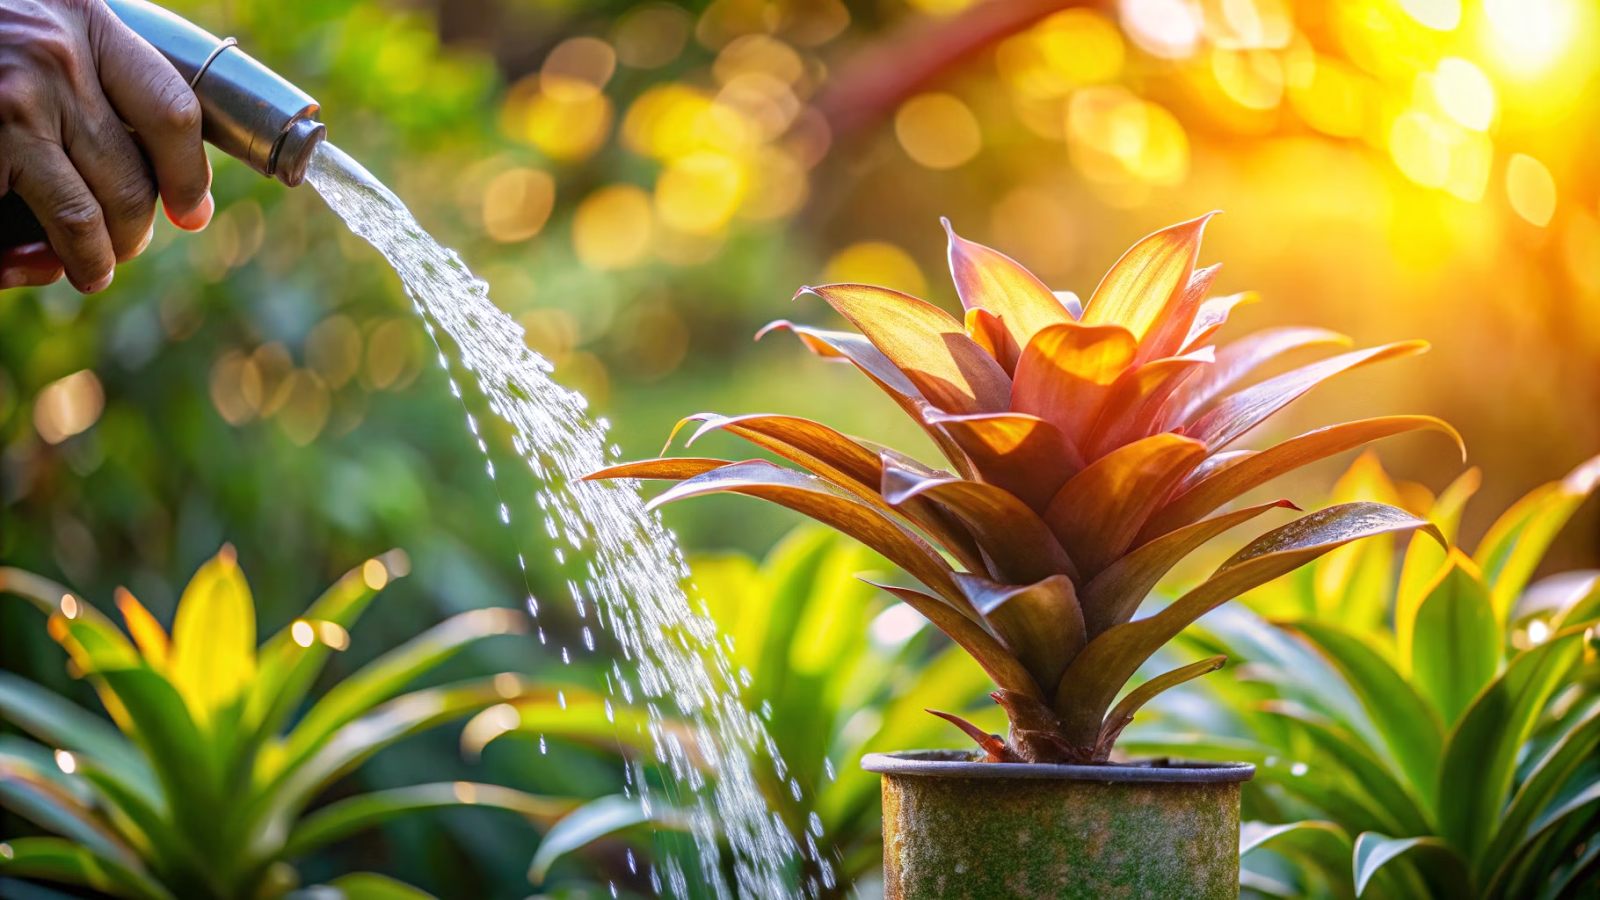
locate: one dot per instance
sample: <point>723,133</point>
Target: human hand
<point>71,75</point>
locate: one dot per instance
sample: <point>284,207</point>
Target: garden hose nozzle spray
<point>248,111</point>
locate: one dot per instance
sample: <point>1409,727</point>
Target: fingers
<point>115,172</point>
<point>70,214</point>
<point>28,264</point>
<point>149,94</point>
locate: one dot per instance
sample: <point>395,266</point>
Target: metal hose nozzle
<point>248,111</point>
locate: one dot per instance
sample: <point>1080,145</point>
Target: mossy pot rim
<point>962,764</point>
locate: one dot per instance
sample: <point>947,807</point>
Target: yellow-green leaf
<point>214,637</point>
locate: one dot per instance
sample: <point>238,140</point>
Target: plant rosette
<point>1090,448</point>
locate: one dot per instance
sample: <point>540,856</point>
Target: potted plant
<point>1089,445</point>
<point>1449,751</point>
<point>199,786</point>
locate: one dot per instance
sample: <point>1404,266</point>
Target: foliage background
<point>646,196</point>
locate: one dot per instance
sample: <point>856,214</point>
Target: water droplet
<point>542,748</point>
<point>505,514</point>
<point>561,699</point>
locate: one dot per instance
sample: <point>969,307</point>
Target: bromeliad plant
<point>200,790</point>
<point>1453,749</point>
<point>1088,444</point>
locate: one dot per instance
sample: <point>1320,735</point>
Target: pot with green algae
<point>959,829</point>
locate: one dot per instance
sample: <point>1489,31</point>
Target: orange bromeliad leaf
<point>1088,443</point>
<point>1020,547</point>
<point>808,494</point>
<point>1040,622</point>
<point>1257,469</point>
<point>1133,407</point>
<point>1114,595</point>
<point>987,331</point>
<point>1066,372</point>
<point>1213,314</point>
<point>1148,282</point>
<point>1098,673</point>
<point>989,280</point>
<point>1250,407</point>
<point>1240,358</point>
<point>974,637</point>
<point>1097,514</point>
<point>925,343</point>
<point>1171,333</point>
<point>1017,452</point>
<point>146,632</point>
<point>842,461</point>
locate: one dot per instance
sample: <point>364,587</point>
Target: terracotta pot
<point>956,829</point>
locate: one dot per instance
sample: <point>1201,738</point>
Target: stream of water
<point>633,586</point>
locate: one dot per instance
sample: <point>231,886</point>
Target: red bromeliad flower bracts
<point>1089,450</point>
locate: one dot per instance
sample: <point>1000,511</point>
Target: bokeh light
<point>938,131</point>
<point>1531,189</point>
<point>68,406</point>
<point>612,227</point>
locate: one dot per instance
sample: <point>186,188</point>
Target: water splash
<point>635,571</point>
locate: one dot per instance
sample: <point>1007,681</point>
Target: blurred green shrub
<point>1448,749</point>
<point>201,789</point>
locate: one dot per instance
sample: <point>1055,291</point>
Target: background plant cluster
<point>644,185</point>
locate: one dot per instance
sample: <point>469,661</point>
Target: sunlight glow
<point>302,633</point>
<point>1531,35</point>
<point>65,762</point>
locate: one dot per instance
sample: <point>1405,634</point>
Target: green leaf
<point>60,860</point>
<point>214,638</point>
<point>1480,754</point>
<point>1374,851</point>
<point>64,725</point>
<point>363,886</point>
<point>1585,608</point>
<point>593,820</point>
<point>1517,541</point>
<point>389,674</point>
<point>1105,665</point>
<point>355,742</point>
<point>287,669</point>
<point>1575,748</point>
<point>175,747</point>
<point>1392,802</point>
<point>1522,870</point>
<point>36,796</point>
<point>573,713</point>
<point>1322,844</point>
<point>346,817</point>
<point>1455,649</point>
<point>1410,728</point>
